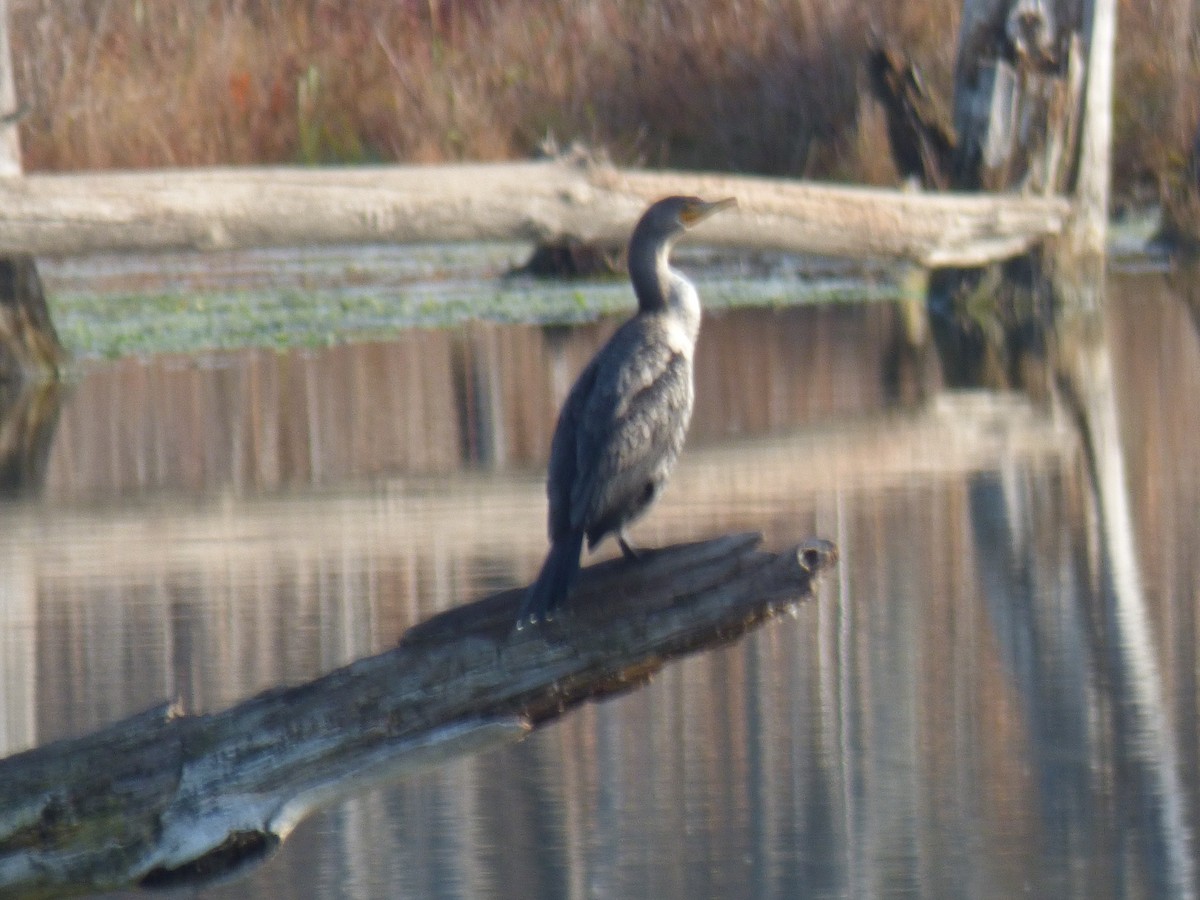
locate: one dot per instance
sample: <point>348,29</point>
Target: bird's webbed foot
<point>527,619</point>
<point>629,552</point>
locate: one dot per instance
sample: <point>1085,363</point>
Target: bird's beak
<point>702,210</point>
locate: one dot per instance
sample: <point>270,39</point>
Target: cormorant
<point>623,423</point>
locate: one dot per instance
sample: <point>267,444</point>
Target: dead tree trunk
<point>1033,107</point>
<point>1017,94</point>
<point>29,346</point>
<point>1017,101</point>
<point>31,358</point>
<point>1031,97</point>
<point>10,112</point>
<point>1087,231</point>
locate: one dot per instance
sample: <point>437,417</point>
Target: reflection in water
<point>28,416</point>
<point>430,402</point>
<point>980,704</point>
<point>1145,738</point>
<point>1140,737</point>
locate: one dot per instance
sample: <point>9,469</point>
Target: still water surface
<point>995,695</point>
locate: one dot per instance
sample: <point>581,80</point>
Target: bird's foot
<point>532,615</point>
<point>532,620</point>
<point>627,551</point>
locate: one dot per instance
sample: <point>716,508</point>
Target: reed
<point>767,86</point>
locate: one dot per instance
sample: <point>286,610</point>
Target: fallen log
<point>210,209</point>
<point>165,798</point>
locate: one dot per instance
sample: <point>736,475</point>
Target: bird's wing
<point>630,428</point>
<point>563,468</point>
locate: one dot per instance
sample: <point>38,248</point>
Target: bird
<point>623,423</point>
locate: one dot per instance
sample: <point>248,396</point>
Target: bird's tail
<point>555,579</point>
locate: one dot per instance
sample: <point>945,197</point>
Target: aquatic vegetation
<point>113,324</point>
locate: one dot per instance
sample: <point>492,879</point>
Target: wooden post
<point>10,147</point>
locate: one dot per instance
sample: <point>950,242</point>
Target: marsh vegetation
<point>766,86</point>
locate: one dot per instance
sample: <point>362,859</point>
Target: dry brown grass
<point>770,86</point>
<point>1156,104</point>
<point>755,85</point>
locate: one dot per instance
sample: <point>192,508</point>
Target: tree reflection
<point>1079,639</point>
<point>28,418</point>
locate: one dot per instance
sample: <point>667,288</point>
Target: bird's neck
<point>660,288</point>
<point>650,273</point>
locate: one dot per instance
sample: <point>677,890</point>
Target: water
<point>994,695</point>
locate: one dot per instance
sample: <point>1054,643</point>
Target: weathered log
<point>238,208</point>
<point>166,798</point>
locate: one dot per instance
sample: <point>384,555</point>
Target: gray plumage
<point>623,423</point>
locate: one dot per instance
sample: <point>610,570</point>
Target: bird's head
<point>670,217</point>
